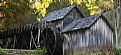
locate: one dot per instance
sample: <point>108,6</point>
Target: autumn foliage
<point>14,13</point>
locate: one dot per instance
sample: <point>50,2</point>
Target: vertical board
<point>98,37</point>
<point>74,14</point>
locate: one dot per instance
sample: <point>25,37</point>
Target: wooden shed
<point>90,34</point>
<point>62,17</point>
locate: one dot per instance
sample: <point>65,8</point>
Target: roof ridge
<point>57,14</point>
<point>81,23</point>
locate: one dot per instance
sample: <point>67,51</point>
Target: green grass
<point>22,52</point>
<point>3,51</point>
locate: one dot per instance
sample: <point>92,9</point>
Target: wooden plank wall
<point>74,14</point>
<point>98,37</point>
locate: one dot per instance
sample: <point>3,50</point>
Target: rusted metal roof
<point>59,14</point>
<point>82,23</point>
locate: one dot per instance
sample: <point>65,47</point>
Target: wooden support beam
<point>38,41</point>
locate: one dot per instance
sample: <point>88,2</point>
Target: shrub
<point>117,51</point>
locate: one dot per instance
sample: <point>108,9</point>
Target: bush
<point>41,50</point>
<point>117,51</point>
<point>2,51</point>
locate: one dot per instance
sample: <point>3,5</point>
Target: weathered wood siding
<point>98,37</point>
<point>74,14</point>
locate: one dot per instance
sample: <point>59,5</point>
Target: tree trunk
<point>117,5</point>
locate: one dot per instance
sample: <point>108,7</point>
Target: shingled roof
<point>59,14</point>
<point>82,23</point>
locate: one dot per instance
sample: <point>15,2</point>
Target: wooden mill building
<point>63,31</point>
<point>90,34</point>
<point>62,17</point>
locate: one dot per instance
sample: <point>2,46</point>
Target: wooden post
<point>38,43</point>
<point>31,40</point>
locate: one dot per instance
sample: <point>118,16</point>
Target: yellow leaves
<point>1,14</point>
<point>49,1</point>
<point>0,4</point>
<point>38,19</point>
<point>43,12</point>
<point>44,4</point>
<point>92,12</point>
<point>91,1</point>
<point>78,1</point>
<point>30,1</point>
<point>95,7</point>
<point>92,7</point>
<point>88,5</point>
<point>106,4</point>
<point>84,0</point>
<point>37,5</point>
<point>41,7</point>
<point>71,2</point>
<point>59,0</point>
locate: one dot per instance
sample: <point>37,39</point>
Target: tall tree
<point>117,22</point>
